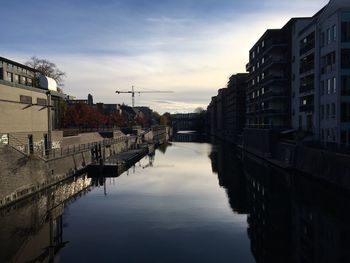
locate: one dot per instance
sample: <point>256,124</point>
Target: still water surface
<point>190,202</point>
<point>172,211</point>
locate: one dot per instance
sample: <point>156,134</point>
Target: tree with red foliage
<point>142,120</point>
<point>116,119</point>
<point>83,115</point>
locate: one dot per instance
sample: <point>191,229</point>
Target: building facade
<point>24,107</point>
<point>226,111</point>
<point>321,96</point>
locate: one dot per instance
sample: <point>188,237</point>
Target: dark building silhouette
<point>226,112</point>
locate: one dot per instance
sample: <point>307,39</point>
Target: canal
<point>190,202</point>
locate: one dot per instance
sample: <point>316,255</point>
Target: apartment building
<point>321,75</point>
<point>269,81</point>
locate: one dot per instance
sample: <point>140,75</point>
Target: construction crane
<point>132,92</point>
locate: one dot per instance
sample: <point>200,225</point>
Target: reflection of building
<point>231,177</point>
<point>293,218</point>
<point>269,213</point>
<point>32,230</point>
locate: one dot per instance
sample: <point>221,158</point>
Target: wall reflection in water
<point>32,229</point>
<point>189,136</point>
<point>291,217</point>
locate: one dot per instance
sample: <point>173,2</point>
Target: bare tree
<point>48,69</point>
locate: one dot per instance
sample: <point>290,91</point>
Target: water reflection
<point>293,218</point>
<point>32,230</point>
<point>189,136</point>
<point>230,175</point>
<point>189,202</point>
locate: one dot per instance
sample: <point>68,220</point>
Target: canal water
<point>190,202</point>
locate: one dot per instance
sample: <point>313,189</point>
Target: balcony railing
<point>304,108</point>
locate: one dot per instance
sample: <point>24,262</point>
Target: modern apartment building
<point>269,82</point>
<point>321,75</point>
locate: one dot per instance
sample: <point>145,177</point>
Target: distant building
<point>234,107</point>
<point>226,111</point>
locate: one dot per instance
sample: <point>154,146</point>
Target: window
<point>258,65</point>
<point>29,82</point>
<point>328,63</point>
<point>258,79</point>
<point>345,31</point>
<point>334,31</point>
<point>263,75</point>
<point>258,49</point>
<point>41,102</point>
<point>322,39</point>
<point>345,85</point>
<point>345,112</point>
<point>25,99</point>
<point>263,44</point>
<point>253,55</point>
<point>329,36</point>
<point>333,110</point>
<point>345,58</point>
<point>9,76</point>
<point>322,87</point>
<point>253,81</point>
<point>327,111</point>
<point>253,68</point>
<point>253,95</point>
<point>15,78</point>
<point>328,86</point>
<point>334,85</point>
<point>262,60</point>
<point>23,80</point>
<point>263,91</point>
<point>307,63</point>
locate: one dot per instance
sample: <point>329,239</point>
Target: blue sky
<point>188,46</point>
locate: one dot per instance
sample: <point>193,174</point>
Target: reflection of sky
<point>174,211</point>
<point>189,46</point>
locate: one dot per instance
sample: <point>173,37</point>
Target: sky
<point>190,47</point>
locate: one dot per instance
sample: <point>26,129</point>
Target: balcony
<point>307,88</point>
<point>306,108</point>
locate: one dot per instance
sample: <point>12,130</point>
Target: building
<point>226,111</point>
<point>321,90</point>
<point>269,82</point>
<point>234,107</point>
<point>28,107</point>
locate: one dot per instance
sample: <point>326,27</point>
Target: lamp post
<point>49,122</point>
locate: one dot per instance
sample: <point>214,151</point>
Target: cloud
<point>183,46</point>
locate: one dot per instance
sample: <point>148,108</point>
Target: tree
<point>199,110</point>
<point>48,69</point>
<point>165,119</point>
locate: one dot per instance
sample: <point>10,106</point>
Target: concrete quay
<point>23,174</point>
